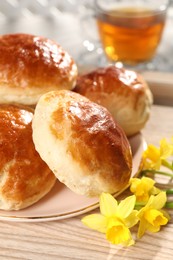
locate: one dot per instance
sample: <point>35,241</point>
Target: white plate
<point>62,203</point>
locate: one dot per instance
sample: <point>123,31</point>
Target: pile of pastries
<point>57,124</point>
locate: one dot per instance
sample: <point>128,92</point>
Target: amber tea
<point>130,35</point>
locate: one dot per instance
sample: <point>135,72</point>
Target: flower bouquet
<point>146,204</point>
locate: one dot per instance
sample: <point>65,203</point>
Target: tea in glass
<point>130,34</point>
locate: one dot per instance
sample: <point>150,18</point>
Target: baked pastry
<point>31,66</point>
<point>123,92</point>
<point>81,143</point>
<point>24,177</point>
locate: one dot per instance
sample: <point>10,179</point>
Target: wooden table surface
<point>69,239</point>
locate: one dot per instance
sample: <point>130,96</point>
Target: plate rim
<point>73,213</point>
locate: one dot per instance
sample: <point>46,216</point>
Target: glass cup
<point>130,30</point>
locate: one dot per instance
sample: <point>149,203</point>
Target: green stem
<point>169,191</point>
<point>139,205</point>
<point>167,164</point>
<point>169,205</point>
<point>157,171</point>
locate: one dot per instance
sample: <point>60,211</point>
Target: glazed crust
<point>82,144</point>
<point>24,177</point>
<point>123,92</point>
<point>32,65</point>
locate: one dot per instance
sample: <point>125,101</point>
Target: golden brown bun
<point>31,66</point>
<point>124,93</point>
<point>81,143</point>
<point>24,177</point>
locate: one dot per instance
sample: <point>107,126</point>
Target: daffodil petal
<point>165,149</point>
<point>108,205</point>
<point>126,206</point>
<point>155,191</point>
<point>142,228</point>
<point>157,201</point>
<point>132,219</point>
<point>142,211</point>
<point>96,222</point>
<point>153,229</point>
<point>148,181</point>
<point>152,153</point>
<point>129,242</point>
<point>165,214</point>
<point>152,157</point>
<point>134,182</point>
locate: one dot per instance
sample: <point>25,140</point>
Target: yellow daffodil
<point>151,216</point>
<point>143,188</point>
<point>166,149</point>
<point>115,219</point>
<point>153,156</point>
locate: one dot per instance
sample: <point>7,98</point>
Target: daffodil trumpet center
<point>155,217</point>
<point>117,232</point>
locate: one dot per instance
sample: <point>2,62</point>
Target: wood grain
<point>69,239</point>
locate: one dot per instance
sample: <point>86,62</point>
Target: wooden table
<point>69,239</point>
